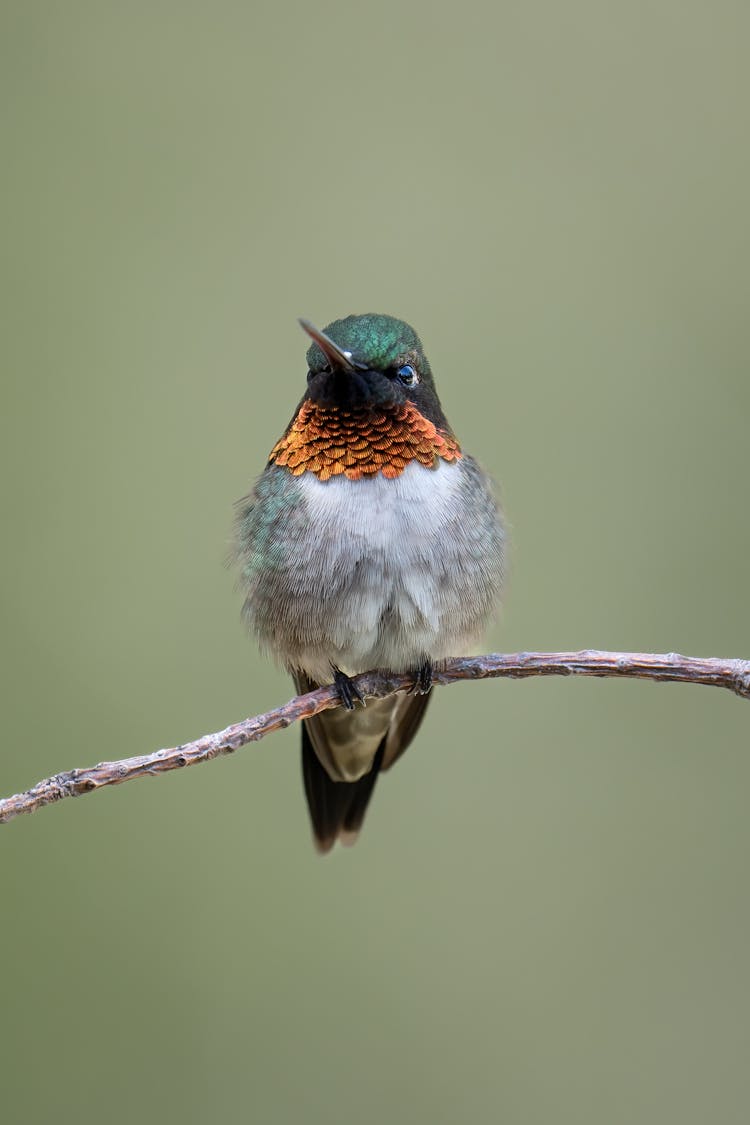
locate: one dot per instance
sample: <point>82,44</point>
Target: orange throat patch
<point>360,443</point>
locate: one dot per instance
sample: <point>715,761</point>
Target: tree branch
<point>732,674</point>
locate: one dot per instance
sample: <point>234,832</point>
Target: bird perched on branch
<point>370,541</point>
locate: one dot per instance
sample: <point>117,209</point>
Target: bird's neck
<point>359,443</point>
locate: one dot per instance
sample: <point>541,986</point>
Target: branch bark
<point>731,674</point>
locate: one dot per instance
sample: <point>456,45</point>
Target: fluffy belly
<point>380,573</point>
<point>385,631</point>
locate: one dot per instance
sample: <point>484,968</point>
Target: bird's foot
<point>423,679</point>
<point>347,689</point>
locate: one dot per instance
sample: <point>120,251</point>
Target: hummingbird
<point>370,541</point>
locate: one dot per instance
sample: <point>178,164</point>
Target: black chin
<point>353,390</point>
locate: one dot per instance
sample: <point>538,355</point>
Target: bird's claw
<point>347,689</point>
<point>423,679</point>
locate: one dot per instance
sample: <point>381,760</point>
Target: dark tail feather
<point>337,808</point>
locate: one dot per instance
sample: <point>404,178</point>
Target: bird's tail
<point>337,808</point>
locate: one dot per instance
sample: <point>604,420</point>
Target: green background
<point>547,917</point>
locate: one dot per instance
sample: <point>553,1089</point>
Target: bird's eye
<point>407,375</point>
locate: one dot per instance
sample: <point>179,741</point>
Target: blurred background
<point>547,916</point>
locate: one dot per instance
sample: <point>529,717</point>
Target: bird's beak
<point>333,353</point>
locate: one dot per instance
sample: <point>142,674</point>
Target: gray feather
<point>366,574</point>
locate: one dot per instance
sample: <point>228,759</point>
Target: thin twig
<point>732,674</point>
